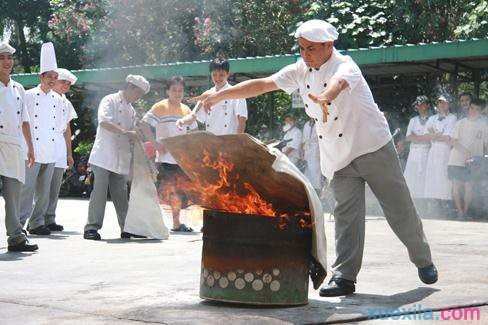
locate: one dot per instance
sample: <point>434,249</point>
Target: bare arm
<point>241,126</point>
<point>28,140</point>
<point>67,139</point>
<point>419,138</point>
<point>334,88</point>
<point>456,144</point>
<point>148,134</point>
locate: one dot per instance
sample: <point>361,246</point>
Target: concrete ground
<point>74,281</point>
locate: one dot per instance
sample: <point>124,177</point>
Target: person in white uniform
<point>43,103</point>
<point>14,130</point>
<point>355,148</point>
<point>419,138</point>
<point>110,158</point>
<point>62,141</point>
<point>228,116</point>
<point>311,154</point>
<point>293,139</point>
<point>440,128</point>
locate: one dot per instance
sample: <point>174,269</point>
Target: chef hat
<point>64,74</point>
<point>318,31</point>
<point>138,81</point>
<point>443,98</point>
<point>48,58</point>
<point>420,100</point>
<point>6,48</point>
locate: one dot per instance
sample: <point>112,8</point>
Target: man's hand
<point>71,161</point>
<point>132,135</point>
<point>180,124</point>
<point>207,99</point>
<point>324,103</point>
<point>30,157</point>
<point>159,147</point>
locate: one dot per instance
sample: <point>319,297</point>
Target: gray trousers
<point>11,193</point>
<point>35,189</point>
<point>381,171</point>
<point>56,181</point>
<point>117,184</point>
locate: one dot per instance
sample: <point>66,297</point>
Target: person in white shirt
<point>419,139</point>
<point>62,141</point>
<point>355,148</point>
<point>311,154</point>
<point>293,139</point>
<point>110,158</point>
<point>14,129</point>
<point>439,127</point>
<point>469,139</point>
<point>464,100</point>
<point>228,116</point>
<point>43,103</point>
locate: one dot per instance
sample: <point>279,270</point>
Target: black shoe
<point>338,287</point>
<point>428,274</point>
<point>92,235</point>
<point>40,231</point>
<point>128,235</point>
<point>23,247</point>
<point>55,227</point>
<point>24,231</point>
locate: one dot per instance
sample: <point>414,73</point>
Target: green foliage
<point>83,148</point>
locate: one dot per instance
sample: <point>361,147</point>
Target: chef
<point>293,139</point>
<point>419,138</point>
<point>440,127</point>
<point>62,141</point>
<point>355,148</point>
<point>14,129</point>
<point>227,116</point>
<point>311,155</point>
<point>110,157</point>
<point>42,103</point>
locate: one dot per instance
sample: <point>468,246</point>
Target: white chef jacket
<point>12,114</point>
<point>416,167</point>
<point>43,113</point>
<point>110,150</point>
<point>355,126</point>
<point>223,118</point>
<point>67,112</point>
<point>295,135</point>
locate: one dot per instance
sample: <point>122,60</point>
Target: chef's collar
<point>42,91</point>
<point>122,97</point>
<point>9,83</point>
<point>223,87</point>
<point>326,63</point>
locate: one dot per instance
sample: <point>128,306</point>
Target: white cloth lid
<point>6,48</point>
<point>138,81</point>
<point>64,74</point>
<point>48,58</point>
<point>317,30</point>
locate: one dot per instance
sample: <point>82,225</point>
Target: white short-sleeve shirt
<point>417,126</point>
<point>295,136</point>
<point>112,151</point>
<point>13,111</point>
<point>473,135</point>
<point>355,125</point>
<point>67,113</point>
<point>223,118</point>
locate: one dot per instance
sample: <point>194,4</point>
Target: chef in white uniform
<point>293,138</point>
<point>228,116</point>
<point>440,127</point>
<point>14,129</point>
<point>111,155</point>
<point>311,154</point>
<point>355,148</point>
<point>42,103</point>
<point>419,139</point>
<point>62,141</point>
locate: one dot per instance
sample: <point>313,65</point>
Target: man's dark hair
<point>479,102</point>
<point>176,80</point>
<point>466,94</point>
<point>219,64</point>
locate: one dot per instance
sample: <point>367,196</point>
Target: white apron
<point>311,154</point>
<point>12,163</point>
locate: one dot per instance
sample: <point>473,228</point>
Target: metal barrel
<point>252,259</point>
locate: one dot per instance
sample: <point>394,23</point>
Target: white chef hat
<point>443,98</point>
<point>317,30</point>
<point>138,81</point>
<point>64,74</point>
<point>6,48</point>
<point>48,58</point>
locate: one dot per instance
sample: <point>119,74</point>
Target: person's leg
<point>468,196</point>
<point>41,195</point>
<point>382,172</point>
<point>27,192</point>
<point>57,179</point>
<point>98,199</point>
<point>175,204</point>
<point>118,193</point>
<point>11,193</point>
<point>349,214</point>
<point>457,189</point>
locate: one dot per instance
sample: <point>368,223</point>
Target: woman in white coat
<point>311,155</point>
<point>440,127</point>
<point>419,138</point>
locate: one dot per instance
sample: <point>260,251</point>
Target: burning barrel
<point>254,259</point>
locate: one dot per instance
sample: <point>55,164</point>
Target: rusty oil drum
<point>251,259</point>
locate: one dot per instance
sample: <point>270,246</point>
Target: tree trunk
<point>24,54</point>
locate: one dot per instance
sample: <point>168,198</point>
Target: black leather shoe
<point>40,231</point>
<point>55,227</point>
<point>338,287</point>
<point>92,235</point>
<point>428,274</point>
<point>128,235</point>
<point>23,247</point>
<point>24,231</point>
